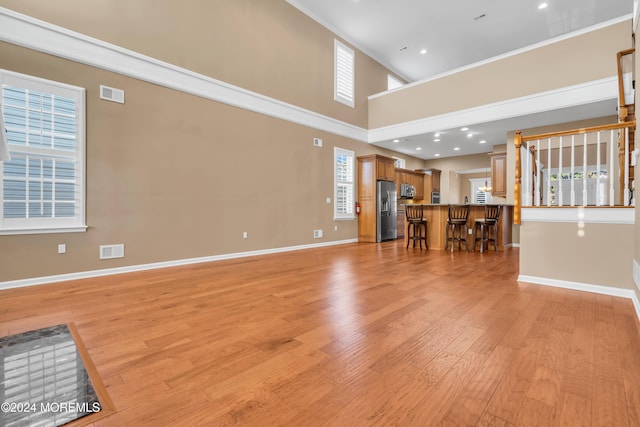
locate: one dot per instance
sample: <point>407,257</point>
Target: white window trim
<point>340,216</point>
<point>339,47</point>
<point>46,225</point>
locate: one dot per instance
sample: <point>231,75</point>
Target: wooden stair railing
<point>626,112</point>
<point>625,129</point>
<point>620,130</point>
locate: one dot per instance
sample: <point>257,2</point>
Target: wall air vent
<point>111,94</point>
<point>111,251</point>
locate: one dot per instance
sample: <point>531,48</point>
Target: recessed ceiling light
<point>436,140</point>
<point>456,149</point>
<point>423,51</point>
<point>437,135</point>
<point>418,148</point>
<point>396,140</point>
<point>469,135</point>
<point>437,154</point>
<point>464,129</point>
<point>543,6</point>
<point>482,142</point>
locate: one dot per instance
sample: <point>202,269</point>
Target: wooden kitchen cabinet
<point>498,174</point>
<point>371,169</point>
<point>418,183</point>
<point>431,182</point>
<point>406,176</point>
<point>385,168</point>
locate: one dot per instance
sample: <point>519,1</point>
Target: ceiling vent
<point>111,94</point>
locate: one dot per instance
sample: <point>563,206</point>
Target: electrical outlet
<point>335,228</point>
<point>328,200</point>
<point>469,231</point>
<point>245,235</point>
<point>317,142</point>
<point>62,248</point>
<point>317,234</point>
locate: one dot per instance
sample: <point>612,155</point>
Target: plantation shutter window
<point>344,184</point>
<point>43,181</point>
<point>344,74</point>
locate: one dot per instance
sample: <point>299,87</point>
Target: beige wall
<point>580,59</point>
<point>603,256</point>
<point>451,180</point>
<point>175,176</point>
<point>268,47</point>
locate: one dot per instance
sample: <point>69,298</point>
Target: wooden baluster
<point>516,187</point>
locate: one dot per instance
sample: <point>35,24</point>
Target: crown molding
<point>26,31</point>
<point>570,96</point>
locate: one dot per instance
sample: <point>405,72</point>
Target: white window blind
<point>43,182</point>
<point>343,184</point>
<point>344,74</point>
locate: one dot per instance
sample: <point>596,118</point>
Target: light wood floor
<point>351,335</point>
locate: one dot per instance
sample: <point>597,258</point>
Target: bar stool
<point>458,215</point>
<point>485,226</point>
<point>415,223</point>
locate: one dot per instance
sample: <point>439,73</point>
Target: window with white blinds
<point>43,181</point>
<point>344,74</point>
<point>343,184</point>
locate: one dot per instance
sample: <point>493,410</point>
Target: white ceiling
<point>457,34</point>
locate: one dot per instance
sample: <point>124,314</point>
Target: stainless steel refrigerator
<point>387,207</point>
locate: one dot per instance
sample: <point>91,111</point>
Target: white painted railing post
<point>584,172</point>
<point>627,194</point>
<point>549,172</point>
<point>573,163</point>
<point>537,192</point>
<point>598,195</point>
<point>610,173</point>
<point>560,193</point>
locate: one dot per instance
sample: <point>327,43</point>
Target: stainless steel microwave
<point>407,191</point>
<point>435,198</point>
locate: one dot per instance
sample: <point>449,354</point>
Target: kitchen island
<point>436,216</point>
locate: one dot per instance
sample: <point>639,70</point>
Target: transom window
<point>43,179</point>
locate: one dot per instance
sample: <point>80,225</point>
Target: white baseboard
<point>586,287</point>
<point>152,266</point>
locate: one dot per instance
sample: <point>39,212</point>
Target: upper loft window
<point>400,163</point>
<point>43,181</point>
<point>393,83</point>
<point>344,74</point>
